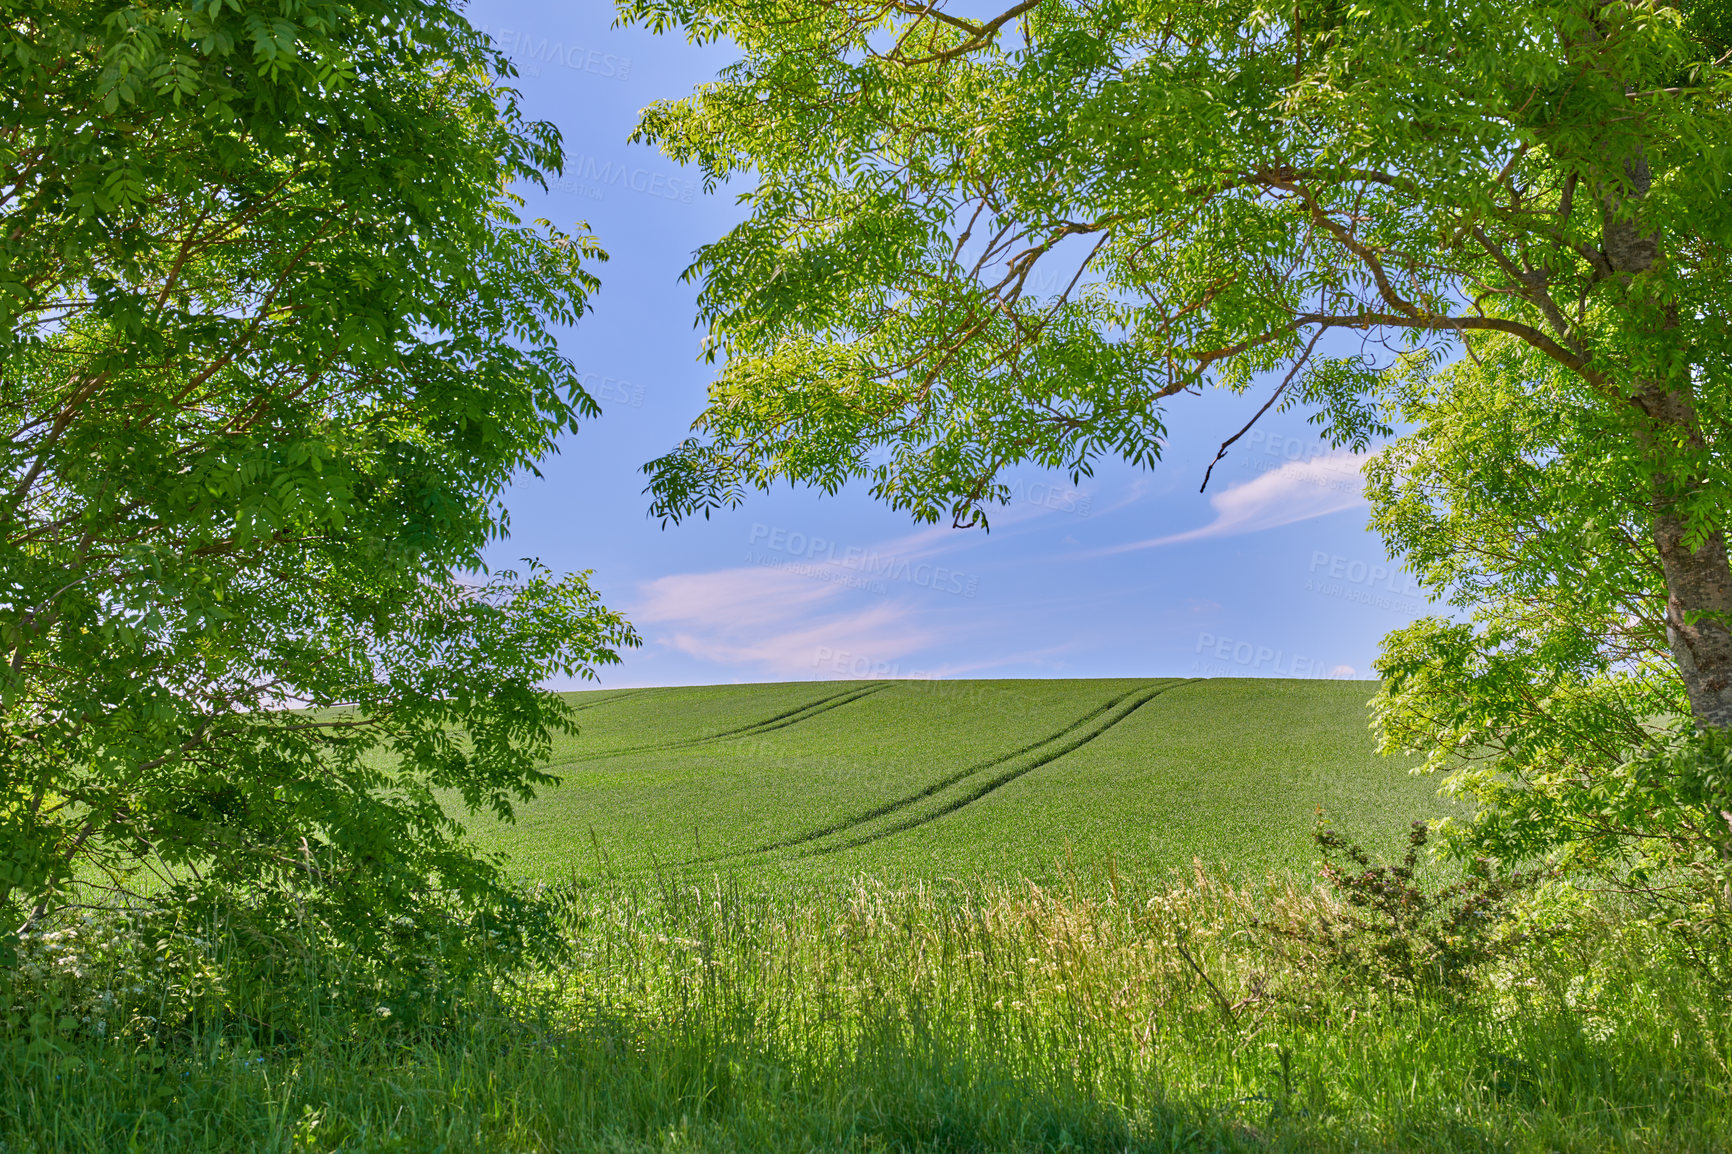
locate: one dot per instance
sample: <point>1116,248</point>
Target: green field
<point>820,780</point>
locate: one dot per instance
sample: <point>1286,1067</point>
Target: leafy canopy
<point>978,241</point>
<point>273,339</point>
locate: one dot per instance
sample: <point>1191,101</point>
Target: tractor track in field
<point>767,725</point>
<point>1057,744</point>
<point>1063,743</point>
<point>620,696</point>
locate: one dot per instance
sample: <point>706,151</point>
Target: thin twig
<point>1220,998</point>
<point>1285,381</point>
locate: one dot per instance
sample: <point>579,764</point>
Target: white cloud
<point>747,598</point>
<point>1297,491</point>
<point>814,608</point>
<point>781,621</point>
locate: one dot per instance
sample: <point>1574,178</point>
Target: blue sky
<point>1132,573</point>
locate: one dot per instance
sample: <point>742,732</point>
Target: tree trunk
<point>1698,576</point>
<point>1698,606</point>
<point>1698,580</point>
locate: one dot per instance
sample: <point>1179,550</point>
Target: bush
<point>1392,932</point>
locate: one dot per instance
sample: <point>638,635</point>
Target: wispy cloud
<point>777,621</point>
<point>1297,491</point>
<point>812,608</point>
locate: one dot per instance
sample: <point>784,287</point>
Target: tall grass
<point>1104,1014</point>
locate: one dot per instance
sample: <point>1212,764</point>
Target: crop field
<point>936,779</point>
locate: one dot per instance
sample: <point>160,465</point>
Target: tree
<point>273,339</point>
<point>1550,699</point>
<point>1214,192</point>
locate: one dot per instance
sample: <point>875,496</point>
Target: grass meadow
<point>912,780</point>
<point>998,916</point>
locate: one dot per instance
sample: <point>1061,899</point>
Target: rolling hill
<point>822,780</point>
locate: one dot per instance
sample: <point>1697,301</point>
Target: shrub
<point>1393,932</point>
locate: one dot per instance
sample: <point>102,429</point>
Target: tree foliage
<point>273,338</point>
<point>1549,699</point>
<point>1228,180</point>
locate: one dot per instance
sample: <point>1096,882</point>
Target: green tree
<point>273,339</point>
<point>1210,191</point>
<point>1551,698</point>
